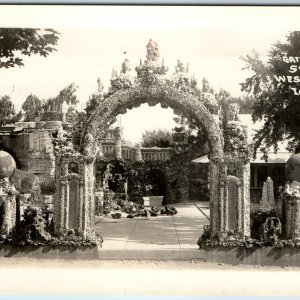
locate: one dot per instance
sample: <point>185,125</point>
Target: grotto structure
<point>229,164</point>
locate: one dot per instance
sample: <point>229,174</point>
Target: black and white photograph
<point>149,150</point>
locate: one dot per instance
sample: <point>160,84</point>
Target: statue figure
<point>107,175</point>
<point>234,110</point>
<point>64,110</point>
<point>180,67</point>
<point>152,51</point>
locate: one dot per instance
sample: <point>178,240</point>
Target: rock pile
<point>116,207</point>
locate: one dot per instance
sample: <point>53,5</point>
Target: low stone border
<point>264,256</point>
<point>50,252</point>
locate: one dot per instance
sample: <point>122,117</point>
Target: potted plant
<point>151,200</point>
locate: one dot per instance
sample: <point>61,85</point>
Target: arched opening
<point>153,86</point>
<point>181,102</point>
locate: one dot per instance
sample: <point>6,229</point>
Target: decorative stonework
<point>152,85</point>
<point>8,207</point>
<point>290,195</point>
<point>74,205</point>
<point>267,202</point>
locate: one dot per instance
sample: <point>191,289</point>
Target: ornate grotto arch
<point>151,85</point>
<point>163,94</point>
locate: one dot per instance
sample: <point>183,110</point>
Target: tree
<point>7,111</point>
<point>33,108</point>
<point>276,102</point>
<point>190,140</point>
<point>18,42</point>
<point>157,138</point>
<point>68,95</point>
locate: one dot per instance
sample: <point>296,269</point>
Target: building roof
<point>280,157</point>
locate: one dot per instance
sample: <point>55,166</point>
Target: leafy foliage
<point>157,138</point>
<point>276,104</point>
<point>68,95</point>
<point>33,108</point>
<point>18,42</point>
<point>7,111</point>
<point>48,187</point>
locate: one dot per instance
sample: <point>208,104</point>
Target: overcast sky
<point>93,40</point>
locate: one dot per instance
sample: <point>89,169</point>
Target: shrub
<point>48,187</point>
<point>24,181</point>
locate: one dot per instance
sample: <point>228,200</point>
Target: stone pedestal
<point>231,210</point>
<point>74,201</point>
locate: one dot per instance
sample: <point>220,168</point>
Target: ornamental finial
<point>152,51</point>
<point>179,68</point>
<point>114,74</point>
<point>125,68</point>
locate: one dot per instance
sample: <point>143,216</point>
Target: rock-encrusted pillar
<point>8,204</point>
<point>83,175</point>
<point>235,208</point>
<point>88,224</point>
<point>292,206</point>
<point>216,174</point>
<point>244,224</point>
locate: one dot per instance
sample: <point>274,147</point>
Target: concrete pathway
<point>180,231</point>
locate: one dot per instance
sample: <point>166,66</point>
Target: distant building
<point>129,152</point>
<point>261,169</point>
<point>30,143</point>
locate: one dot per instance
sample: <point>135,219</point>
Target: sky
<point>95,39</point>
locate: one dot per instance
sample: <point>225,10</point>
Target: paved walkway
<point>180,231</point>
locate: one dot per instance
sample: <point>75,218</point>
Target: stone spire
<point>114,74</point>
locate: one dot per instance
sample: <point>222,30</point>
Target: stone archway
<point>152,85</point>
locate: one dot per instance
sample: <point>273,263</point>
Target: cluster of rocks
<point>116,208</point>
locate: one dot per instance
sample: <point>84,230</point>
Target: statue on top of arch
<point>151,71</point>
<point>122,81</point>
<point>182,80</point>
<point>152,51</point>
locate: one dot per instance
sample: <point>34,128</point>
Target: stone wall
<point>32,150</point>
